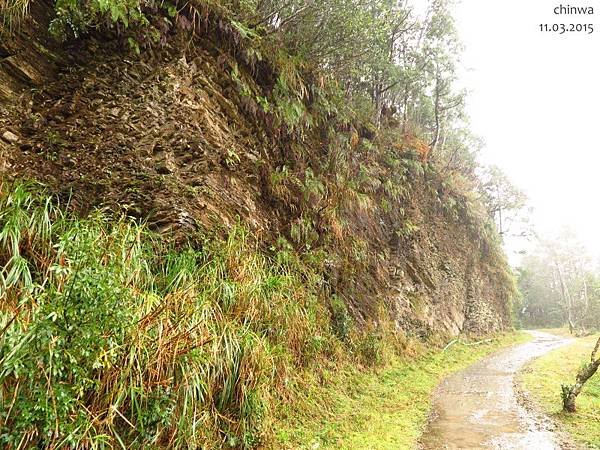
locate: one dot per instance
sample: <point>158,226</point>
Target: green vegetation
<point>376,61</point>
<point>112,338</point>
<point>557,331</point>
<point>350,409</point>
<point>373,83</point>
<point>544,377</point>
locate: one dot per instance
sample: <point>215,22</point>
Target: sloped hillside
<point>169,137</point>
<point>195,138</point>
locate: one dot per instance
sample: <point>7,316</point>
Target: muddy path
<point>479,408</point>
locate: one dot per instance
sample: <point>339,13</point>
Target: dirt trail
<point>478,408</point>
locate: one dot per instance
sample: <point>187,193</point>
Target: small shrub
<point>340,318</point>
<point>370,346</point>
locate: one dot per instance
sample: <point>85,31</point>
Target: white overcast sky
<point>534,99</point>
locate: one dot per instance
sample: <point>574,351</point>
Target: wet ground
<point>479,408</point>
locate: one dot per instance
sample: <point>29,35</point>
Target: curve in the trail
<point>478,408</point>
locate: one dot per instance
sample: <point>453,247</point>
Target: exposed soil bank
<point>478,408</point>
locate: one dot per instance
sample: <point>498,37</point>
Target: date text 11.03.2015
<point>563,28</point>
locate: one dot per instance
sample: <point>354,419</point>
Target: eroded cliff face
<point>170,136</point>
<point>442,278</point>
<point>29,57</point>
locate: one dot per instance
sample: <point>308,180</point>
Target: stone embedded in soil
<point>10,137</point>
<point>164,169</point>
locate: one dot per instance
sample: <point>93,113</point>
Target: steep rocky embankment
<point>177,136</point>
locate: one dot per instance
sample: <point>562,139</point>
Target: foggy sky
<point>534,99</point>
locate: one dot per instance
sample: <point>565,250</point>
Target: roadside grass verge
<point>564,331</point>
<point>350,409</point>
<point>543,378</point>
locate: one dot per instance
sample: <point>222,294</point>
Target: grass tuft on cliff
<point>112,338</point>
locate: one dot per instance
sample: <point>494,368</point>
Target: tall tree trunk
<point>405,112</point>
<point>566,296</point>
<point>437,112</point>
<point>586,304</point>
<point>378,100</point>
